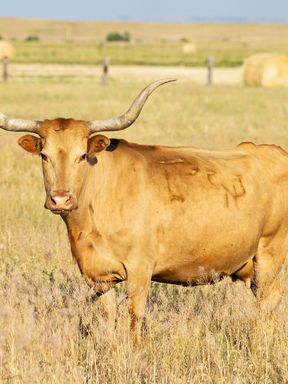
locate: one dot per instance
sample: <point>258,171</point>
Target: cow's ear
<point>97,144</point>
<point>31,143</point>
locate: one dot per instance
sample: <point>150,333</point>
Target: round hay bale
<point>275,71</point>
<point>189,48</point>
<point>252,69</point>
<point>6,50</point>
<point>266,70</point>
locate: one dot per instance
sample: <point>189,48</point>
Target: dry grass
<point>50,330</point>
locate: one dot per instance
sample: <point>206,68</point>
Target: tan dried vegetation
<point>50,329</point>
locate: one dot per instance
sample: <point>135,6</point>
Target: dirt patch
<point>123,73</point>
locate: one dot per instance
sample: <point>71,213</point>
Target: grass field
<point>50,331</point>
<point>231,54</point>
<point>151,43</point>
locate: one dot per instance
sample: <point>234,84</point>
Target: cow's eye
<point>82,158</point>
<point>44,157</point>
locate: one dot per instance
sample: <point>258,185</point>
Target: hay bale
<point>252,69</point>
<point>266,70</point>
<point>6,50</point>
<point>189,48</point>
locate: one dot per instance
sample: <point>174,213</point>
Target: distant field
<point>151,43</point>
<point>231,54</point>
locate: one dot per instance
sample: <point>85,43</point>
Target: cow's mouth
<point>61,211</point>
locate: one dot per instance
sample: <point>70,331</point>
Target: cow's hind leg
<point>268,262</point>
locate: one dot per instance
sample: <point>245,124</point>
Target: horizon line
<point>186,20</point>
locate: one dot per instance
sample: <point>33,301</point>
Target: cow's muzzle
<point>61,202</point>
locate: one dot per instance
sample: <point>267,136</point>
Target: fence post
<point>105,68</point>
<point>5,68</point>
<point>210,65</point>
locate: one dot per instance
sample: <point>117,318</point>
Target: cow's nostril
<point>68,200</point>
<point>52,200</point>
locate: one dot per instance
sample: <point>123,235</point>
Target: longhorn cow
<point>177,215</point>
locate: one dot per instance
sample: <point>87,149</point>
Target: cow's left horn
<point>18,125</point>
<point>124,121</point>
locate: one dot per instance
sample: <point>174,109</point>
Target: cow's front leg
<point>138,289</point>
<point>107,305</point>
<point>105,295</point>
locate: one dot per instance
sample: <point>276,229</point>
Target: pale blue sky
<point>149,10</point>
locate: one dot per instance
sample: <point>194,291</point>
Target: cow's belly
<point>198,269</point>
<point>197,272</point>
<point>199,254</point>
<point>189,275</point>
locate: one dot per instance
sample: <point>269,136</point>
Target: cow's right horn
<point>18,125</point>
<point>124,121</point>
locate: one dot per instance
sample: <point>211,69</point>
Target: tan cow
<point>178,215</point>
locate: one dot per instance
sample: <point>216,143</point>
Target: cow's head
<point>68,147</point>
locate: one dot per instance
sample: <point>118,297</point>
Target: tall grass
<point>51,331</point>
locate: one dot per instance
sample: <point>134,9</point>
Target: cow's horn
<point>124,121</point>
<point>18,125</point>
